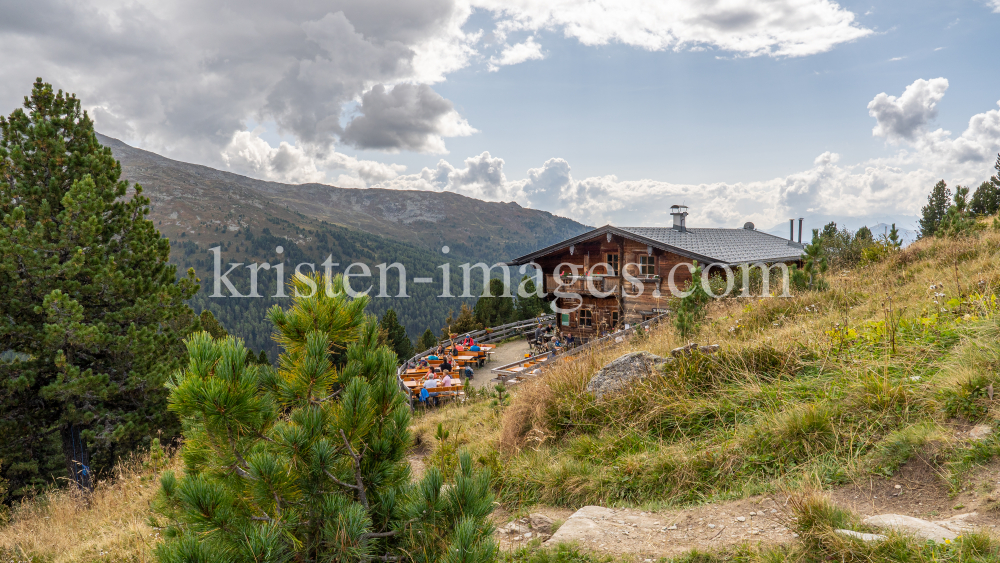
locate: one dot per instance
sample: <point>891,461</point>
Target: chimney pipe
<point>679,213</point>
<point>791,230</point>
<point>800,230</point>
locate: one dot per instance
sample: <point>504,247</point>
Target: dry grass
<point>811,385</point>
<point>111,525</point>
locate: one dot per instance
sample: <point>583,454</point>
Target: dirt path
<point>504,354</point>
<point>916,490</point>
<point>665,533</point>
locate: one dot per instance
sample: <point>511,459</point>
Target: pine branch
<point>357,471</point>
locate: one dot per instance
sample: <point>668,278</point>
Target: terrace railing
<point>506,371</point>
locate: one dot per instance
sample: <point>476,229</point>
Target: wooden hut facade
<point>590,267</point>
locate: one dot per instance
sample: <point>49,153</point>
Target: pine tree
<point>464,322</point>
<point>937,206</point>
<point>531,306</point>
<point>495,309</point>
<point>893,238</point>
<point>814,260</point>
<point>307,462</point>
<point>396,336</point>
<point>427,340</point>
<point>212,326</point>
<point>864,236</point>
<point>957,220</point>
<point>691,307</point>
<point>87,297</point>
<point>986,200</point>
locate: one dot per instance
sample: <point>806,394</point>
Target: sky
<point>604,111</point>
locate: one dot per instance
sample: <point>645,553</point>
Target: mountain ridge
<point>472,228</point>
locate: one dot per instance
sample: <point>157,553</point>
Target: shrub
<point>307,462</point>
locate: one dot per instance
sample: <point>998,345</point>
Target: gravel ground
<point>504,354</point>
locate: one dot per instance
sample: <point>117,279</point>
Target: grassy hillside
<point>808,397</point>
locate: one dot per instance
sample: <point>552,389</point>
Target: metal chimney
<point>791,230</point>
<point>679,213</point>
<point>800,230</point>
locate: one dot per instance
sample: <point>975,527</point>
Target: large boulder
<point>621,372</point>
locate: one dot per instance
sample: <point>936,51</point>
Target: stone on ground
<point>581,525</point>
<point>910,525</point>
<point>980,432</point>
<point>621,372</point>
<point>540,523</point>
<point>860,535</point>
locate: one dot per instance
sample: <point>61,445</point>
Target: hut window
<point>647,265</point>
<point>614,320</point>
<point>613,262</point>
<point>586,317</point>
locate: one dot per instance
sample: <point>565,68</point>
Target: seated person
<point>474,348</point>
<point>423,363</point>
<point>570,341</point>
<point>431,382</point>
<point>459,348</point>
<point>433,357</point>
<point>446,364</point>
<point>440,350</point>
<point>446,381</point>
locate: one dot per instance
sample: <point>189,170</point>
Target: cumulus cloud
<point>781,28</point>
<point>183,78</point>
<point>890,186</point>
<point>482,178</point>
<point>908,115</point>
<point>251,155</point>
<point>518,53</point>
<point>408,117</point>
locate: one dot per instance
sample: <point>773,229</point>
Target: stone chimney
<point>679,213</point>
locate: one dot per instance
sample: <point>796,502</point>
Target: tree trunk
<point>77,457</point>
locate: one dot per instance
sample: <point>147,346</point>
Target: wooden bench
<point>449,392</point>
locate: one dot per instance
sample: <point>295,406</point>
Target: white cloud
<point>518,53</point>
<point>251,155</point>
<point>893,186</point>
<point>996,6</point>
<point>906,116</point>
<point>783,28</point>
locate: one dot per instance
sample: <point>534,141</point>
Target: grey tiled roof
<point>729,246</point>
<point>732,246</point>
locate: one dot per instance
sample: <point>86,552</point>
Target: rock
<point>623,371</point>
<point>515,527</point>
<point>957,522</point>
<point>861,536</point>
<point>540,523</point>
<point>710,349</point>
<point>980,432</point>
<point>741,518</point>
<point>581,525</point>
<point>910,525</point>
